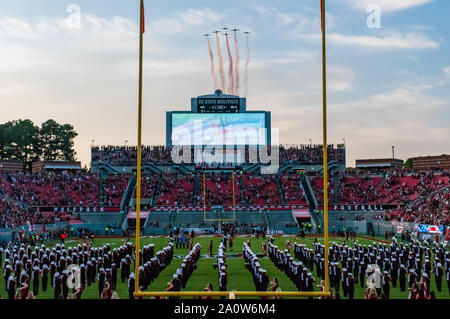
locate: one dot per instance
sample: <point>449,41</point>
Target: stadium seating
<point>50,189</point>
<point>290,185</point>
<point>176,190</point>
<point>219,189</point>
<point>260,190</point>
<point>161,155</point>
<point>114,186</point>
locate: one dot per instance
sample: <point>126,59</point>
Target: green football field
<point>239,278</point>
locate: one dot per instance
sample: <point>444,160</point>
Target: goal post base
<point>230,293</point>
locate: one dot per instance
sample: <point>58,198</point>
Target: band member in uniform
<point>101,281</point>
<point>44,277</point>
<point>402,277</point>
<point>438,273</point>
<point>210,248</point>
<point>386,284</point>
<point>65,288</point>
<point>350,285</point>
<point>11,287</point>
<point>35,276</point>
<point>131,286</point>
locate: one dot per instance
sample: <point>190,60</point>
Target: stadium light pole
<point>138,170</point>
<point>325,149</point>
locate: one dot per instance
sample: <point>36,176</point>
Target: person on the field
<point>350,283</point>
<point>182,242</point>
<point>274,286</point>
<point>412,277</point>
<point>7,273</point>
<point>101,281</point>
<point>225,241</point>
<point>107,291</point>
<point>223,279</point>
<point>57,285</point>
<point>264,248</point>
<point>394,272</point>
<point>386,283</point>
<point>35,276</point>
<point>402,273</point>
<point>210,248</point>
<point>113,276</point>
<point>438,273</point>
<point>65,288</point>
<point>344,275</point>
<point>131,283</point>
<point>309,283</point>
<point>78,292</point>
<point>448,280</point>
<point>44,277</point>
<point>11,287</point>
<point>208,288</point>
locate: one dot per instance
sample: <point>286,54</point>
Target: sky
<point>388,84</point>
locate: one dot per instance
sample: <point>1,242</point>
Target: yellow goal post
<point>231,294</point>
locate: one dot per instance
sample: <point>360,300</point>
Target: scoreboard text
<point>218,105</point>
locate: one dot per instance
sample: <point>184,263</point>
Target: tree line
<point>23,140</point>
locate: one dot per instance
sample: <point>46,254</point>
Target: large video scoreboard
<point>218,119</point>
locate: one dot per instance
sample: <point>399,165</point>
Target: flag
<point>143,17</point>
<point>321,13</point>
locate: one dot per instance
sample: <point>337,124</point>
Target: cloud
<point>297,22</point>
<point>387,5</point>
<point>181,22</point>
<point>447,70</point>
<point>392,41</point>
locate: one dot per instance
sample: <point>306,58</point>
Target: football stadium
<point>221,209</point>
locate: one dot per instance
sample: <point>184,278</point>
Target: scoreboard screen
<point>218,129</point>
<point>218,105</point>
<point>431,229</point>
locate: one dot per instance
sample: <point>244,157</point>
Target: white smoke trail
<point>211,58</point>
<point>247,61</point>
<point>219,54</point>
<point>230,69</point>
<point>236,66</point>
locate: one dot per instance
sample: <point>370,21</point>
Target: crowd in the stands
<point>176,189</point>
<point>434,210</point>
<point>127,155</point>
<point>412,191</point>
<point>162,155</point>
<point>292,189</point>
<point>219,190</point>
<point>311,154</point>
<point>260,190</point>
<point>114,187</point>
<point>51,189</point>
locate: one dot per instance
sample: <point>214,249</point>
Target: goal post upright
<point>325,149</point>
<point>138,168</point>
<point>326,292</point>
